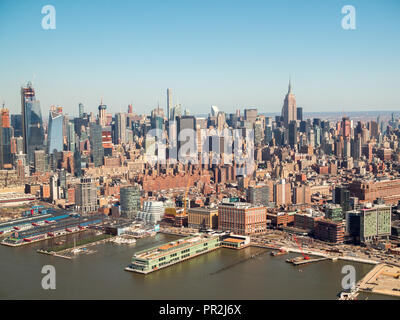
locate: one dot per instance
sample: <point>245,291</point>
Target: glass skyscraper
<point>16,123</point>
<point>71,137</point>
<point>32,123</point>
<point>130,201</point>
<point>96,144</point>
<point>55,138</point>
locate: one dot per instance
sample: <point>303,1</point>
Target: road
<point>279,238</point>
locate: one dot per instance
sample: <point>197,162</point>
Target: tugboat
<point>349,294</point>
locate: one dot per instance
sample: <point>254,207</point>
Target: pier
<point>382,279</point>
<point>69,248</point>
<point>300,262</point>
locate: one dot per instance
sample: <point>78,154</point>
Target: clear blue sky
<point>229,53</point>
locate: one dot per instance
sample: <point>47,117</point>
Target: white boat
<point>122,240</point>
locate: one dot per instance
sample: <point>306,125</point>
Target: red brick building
<point>368,191</point>
<point>329,231</point>
<point>242,218</point>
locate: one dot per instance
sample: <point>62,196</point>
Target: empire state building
<point>289,109</point>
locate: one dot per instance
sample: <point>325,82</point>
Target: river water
<point>221,274</point>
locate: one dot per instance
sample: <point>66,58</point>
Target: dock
<point>301,262</point>
<point>63,253</point>
<point>382,279</point>
<point>24,243</point>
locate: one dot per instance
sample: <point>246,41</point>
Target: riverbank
<point>261,277</point>
<point>318,254</point>
<point>382,279</point>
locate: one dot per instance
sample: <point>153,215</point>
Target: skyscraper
<point>5,139</point>
<point>86,196</point>
<point>16,123</point>
<point>250,115</point>
<point>81,110</point>
<point>102,115</point>
<point>186,128</point>
<point>120,128</point>
<point>289,109</point>
<point>96,144</point>
<point>169,104</point>
<point>346,127</point>
<point>39,161</point>
<point>32,123</point>
<point>300,114</point>
<point>214,111</point>
<point>130,201</point>
<point>293,133</point>
<point>55,137</point>
<point>71,137</point>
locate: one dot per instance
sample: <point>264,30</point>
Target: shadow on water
<point>248,257</point>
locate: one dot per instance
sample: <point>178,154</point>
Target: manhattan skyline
<point>232,55</point>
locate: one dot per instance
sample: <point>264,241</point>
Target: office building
<point>81,110</point>
<point>71,137</point>
<point>203,218</point>
<point>250,115</point>
<point>242,218</point>
<point>6,159</point>
<point>301,194</point>
<point>130,201</point>
<point>299,114</point>
<point>371,190</point>
<point>329,231</point>
<point>186,131</point>
<point>96,144</point>
<point>86,196</point>
<point>334,212</point>
<point>169,105</point>
<point>55,137</point>
<point>259,194</point>
<point>289,109</point>
<point>16,124</point>
<point>39,161</point>
<point>120,128</point>
<point>292,133</point>
<point>370,222</point>
<point>341,196</point>
<point>102,115</point>
<point>32,123</point>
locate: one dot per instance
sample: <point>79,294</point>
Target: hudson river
<point>221,274</point>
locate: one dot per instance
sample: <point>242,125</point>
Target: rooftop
<point>170,246</point>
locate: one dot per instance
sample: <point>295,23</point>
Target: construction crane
<point>301,249</point>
